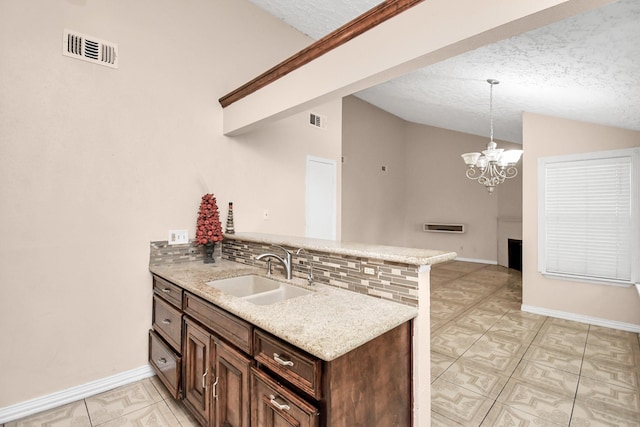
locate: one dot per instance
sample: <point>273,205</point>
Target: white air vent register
<point>89,48</point>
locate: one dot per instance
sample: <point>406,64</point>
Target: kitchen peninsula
<point>354,349</point>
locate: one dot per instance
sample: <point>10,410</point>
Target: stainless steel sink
<point>258,289</point>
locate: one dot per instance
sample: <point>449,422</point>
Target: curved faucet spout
<point>286,261</point>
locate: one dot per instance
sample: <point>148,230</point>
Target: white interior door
<point>321,198</point>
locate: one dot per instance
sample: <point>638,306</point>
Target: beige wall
<point>97,162</point>
<point>545,136</point>
<point>424,183</point>
<point>372,200</point>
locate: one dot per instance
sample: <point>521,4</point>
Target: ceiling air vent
<point>318,121</point>
<point>89,48</point>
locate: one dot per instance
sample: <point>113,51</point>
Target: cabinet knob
<point>281,406</point>
<point>167,321</point>
<point>283,362</point>
<point>166,290</point>
<point>162,360</point>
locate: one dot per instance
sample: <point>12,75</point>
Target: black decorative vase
<point>208,253</point>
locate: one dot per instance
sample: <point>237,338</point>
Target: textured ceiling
<point>586,68</point>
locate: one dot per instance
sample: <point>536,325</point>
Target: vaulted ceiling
<point>586,68</point>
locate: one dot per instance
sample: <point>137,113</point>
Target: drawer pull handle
<point>162,360</point>
<point>281,406</point>
<point>167,321</point>
<point>166,290</point>
<point>204,379</point>
<point>215,391</point>
<point>277,358</point>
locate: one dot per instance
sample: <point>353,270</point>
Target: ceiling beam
<point>427,33</point>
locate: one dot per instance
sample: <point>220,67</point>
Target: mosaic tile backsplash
<point>388,280</point>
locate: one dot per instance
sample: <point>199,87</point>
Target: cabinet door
<point>273,405</point>
<point>197,370</point>
<point>231,391</point>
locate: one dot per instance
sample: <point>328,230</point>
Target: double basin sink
<point>258,290</point>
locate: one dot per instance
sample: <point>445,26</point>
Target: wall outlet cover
<point>178,237</point>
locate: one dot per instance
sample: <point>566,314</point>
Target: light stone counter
<point>412,256</point>
<point>328,323</point>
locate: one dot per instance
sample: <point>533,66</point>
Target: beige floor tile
<point>453,340</point>
<point>156,415</point>
<point>476,378</point>
<point>614,350</point>
<point>459,404</point>
<point>618,375</point>
<point>438,420</point>
<point>545,377</point>
<point>568,362</point>
<point>122,401</point>
<point>587,415</point>
<point>561,338</point>
<point>182,414</point>
<point>510,330</point>
<point>601,394</point>
<point>479,318</point>
<point>542,403</point>
<point>507,416</point>
<point>439,364</point>
<point>73,415</point>
<point>162,390</point>
<point>525,320</point>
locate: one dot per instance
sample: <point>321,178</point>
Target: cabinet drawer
<point>225,325</point>
<point>167,290</point>
<point>290,363</point>
<point>273,404</point>
<point>167,321</point>
<point>166,363</point>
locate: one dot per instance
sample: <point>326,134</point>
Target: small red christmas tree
<point>208,227</point>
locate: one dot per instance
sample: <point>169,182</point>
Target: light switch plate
<point>178,237</point>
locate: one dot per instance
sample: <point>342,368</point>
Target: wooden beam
<point>380,13</point>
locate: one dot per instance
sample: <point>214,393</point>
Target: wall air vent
<point>89,48</point>
<point>443,228</point>
<point>318,121</point>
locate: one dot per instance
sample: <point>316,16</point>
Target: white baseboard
<point>53,400</point>
<point>630,327</point>
<point>479,261</point>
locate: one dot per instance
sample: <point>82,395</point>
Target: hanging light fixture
<point>493,165</point>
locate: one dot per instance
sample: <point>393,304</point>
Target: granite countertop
<point>328,323</point>
<point>413,256</point>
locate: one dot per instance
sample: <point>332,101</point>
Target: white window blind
<point>589,216</point>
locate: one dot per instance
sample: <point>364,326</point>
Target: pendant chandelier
<point>493,165</point>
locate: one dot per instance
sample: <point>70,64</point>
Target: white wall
<point>96,162</point>
<point>545,136</point>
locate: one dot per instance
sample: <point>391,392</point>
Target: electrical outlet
<point>369,270</point>
<point>178,237</point>
<point>265,215</point>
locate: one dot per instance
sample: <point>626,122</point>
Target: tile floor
<point>491,365</point>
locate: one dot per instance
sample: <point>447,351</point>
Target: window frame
<point>634,155</point>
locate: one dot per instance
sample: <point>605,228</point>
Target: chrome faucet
<point>285,261</point>
<point>310,274</point>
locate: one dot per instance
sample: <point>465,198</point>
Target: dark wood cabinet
<point>165,339</point>
<point>274,405</point>
<point>216,379</point>
<point>197,375</point>
<point>233,374</point>
<point>231,393</point>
